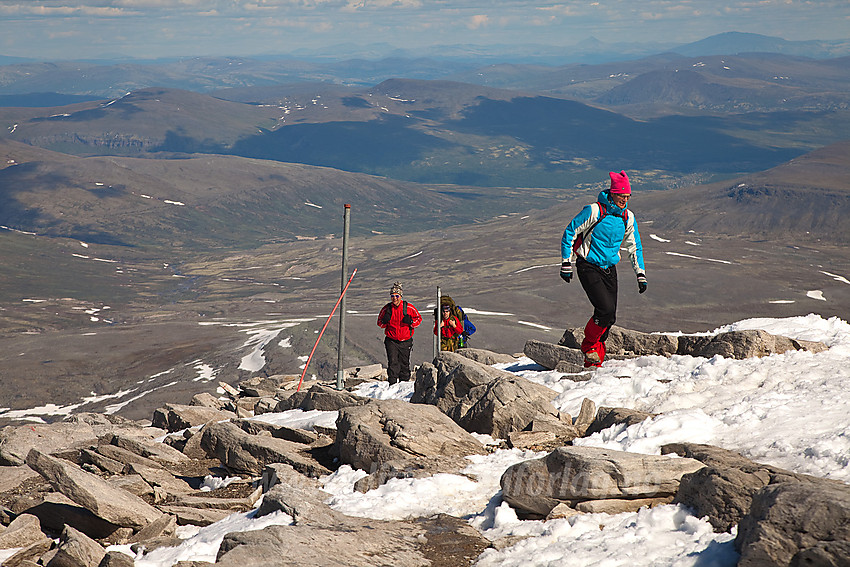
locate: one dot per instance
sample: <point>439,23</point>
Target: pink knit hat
<point>620,183</point>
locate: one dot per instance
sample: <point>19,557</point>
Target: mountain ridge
<point>195,200</point>
<point>805,199</point>
<point>733,42</point>
<point>363,67</point>
<point>428,132</point>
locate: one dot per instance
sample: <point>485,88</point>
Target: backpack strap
<point>404,313</point>
<point>581,236</point>
<point>603,210</point>
<point>602,214</point>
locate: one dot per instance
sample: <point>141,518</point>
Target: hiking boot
<point>592,357</point>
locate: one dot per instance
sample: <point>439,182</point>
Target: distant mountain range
<point>425,131</point>
<point>663,84</point>
<point>734,43</point>
<point>589,50</point>
<point>370,65</point>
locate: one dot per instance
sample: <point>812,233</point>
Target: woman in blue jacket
<point>592,241</point>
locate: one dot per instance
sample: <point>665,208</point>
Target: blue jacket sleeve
<point>578,225</point>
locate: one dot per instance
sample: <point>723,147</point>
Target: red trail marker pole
<point>309,358</point>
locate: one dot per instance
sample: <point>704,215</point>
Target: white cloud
<point>144,4</point>
<point>41,9</point>
<point>478,21</point>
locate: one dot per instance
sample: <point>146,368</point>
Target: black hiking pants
<point>398,359</point>
<point>600,285</point>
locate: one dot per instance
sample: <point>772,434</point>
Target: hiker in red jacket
<point>398,318</point>
<point>450,326</point>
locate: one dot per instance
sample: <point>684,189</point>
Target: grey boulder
<point>576,474</point>
<point>248,454</point>
<point>796,523</point>
<point>480,398</point>
<point>381,431</point>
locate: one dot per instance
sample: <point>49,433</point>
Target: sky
<point>70,29</point>
<point>754,406</point>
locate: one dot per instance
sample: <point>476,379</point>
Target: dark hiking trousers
<point>398,359</point>
<point>600,285</point>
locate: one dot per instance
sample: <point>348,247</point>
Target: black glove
<point>566,271</point>
<point>641,283</point>
<point>406,320</point>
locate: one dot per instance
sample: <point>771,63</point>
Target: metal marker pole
<point>340,379</point>
<point>437,322</point>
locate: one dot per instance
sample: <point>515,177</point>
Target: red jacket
<point>448,331</point>
<point>390,318</point>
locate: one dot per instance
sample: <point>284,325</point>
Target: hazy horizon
<point>150,29</point>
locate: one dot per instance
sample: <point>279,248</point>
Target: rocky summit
<point>71,489</point>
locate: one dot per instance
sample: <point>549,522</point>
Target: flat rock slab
<point>208,502</point>
<point>112,504</point>
<point>12,476</point>
<point>550,355</point>
<point>24,531</point>
<point>576,474</point>
<point>161,478</point>
<point>148,448</point>
<point>125,456</point>
<point>357,542</point>
<point>174,417</point>
<point>16,441</point>
<point>322,398</point>
<point>249,454</point>
<point>188,516</point>
<point>486,356</point>
<point>614,506</point>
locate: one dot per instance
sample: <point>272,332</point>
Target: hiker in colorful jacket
<point>450,325</point>
<point>592,243</point>
<point>398,318</point>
